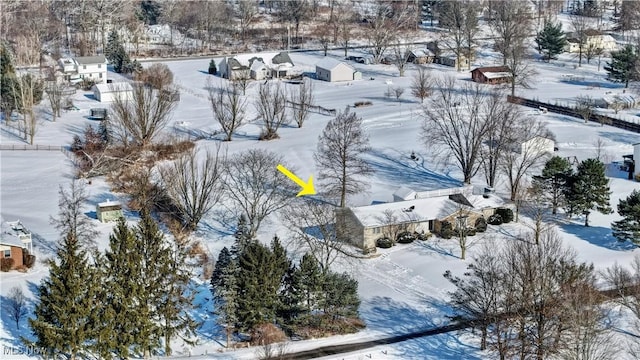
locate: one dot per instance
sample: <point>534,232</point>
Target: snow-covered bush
<point>481,224</point>
<point>446,230</point>
<point>384,243</point>
<point>495,219</point>
<point>506,214</point>
<point>405,237</point>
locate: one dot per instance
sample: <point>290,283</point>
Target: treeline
<point>258,290</point>
<point>133,299</point>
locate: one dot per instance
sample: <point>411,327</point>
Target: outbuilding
<point>109,211</point>
<point>491,75</point>
<point>332,70</point>
<point>108,92</point>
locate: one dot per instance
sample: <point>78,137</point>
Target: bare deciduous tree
<point>461,19</point>
<point>229,108</point>
<point>456,125</point>
<point>400,56</point>
<point>26,90</point>
<point>385,25</point>
<point>71,221</point>
<point>422,84</point>
<point>246,14</point>
<point>140,119</point>
<point>580,25</point>
<point>158,76</point>
<point>193,186</point>
<point>255,187</point>
<point>523,158</point>
<point>510,22</point>
<point>270,106</point>
<point>313,224</point>
<point>16,306</point>
<point>301,99</point>
<point>339,156</point>
<point>584,106</point>
<point>55,93</point>
<point>397,93</point>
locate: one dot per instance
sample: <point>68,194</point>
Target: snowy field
<point>401,290</point>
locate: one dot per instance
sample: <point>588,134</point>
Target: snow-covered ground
<point>401,290</point>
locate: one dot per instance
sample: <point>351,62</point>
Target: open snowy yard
<point>402,289</point>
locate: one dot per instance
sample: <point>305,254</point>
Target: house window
<point>7,253</point>
<point>84,67</point>
<point>431,225</point>
<point>100,75</point>
<point>376,230</point>
<point>99,66</point>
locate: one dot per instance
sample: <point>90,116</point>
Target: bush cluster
<point>362,103</point>
<point>506,214</point>
<point>495,219</point>
<point>384,243</point>
<point>405,237</point>
<point>446,230</point>
<point>481,224</point>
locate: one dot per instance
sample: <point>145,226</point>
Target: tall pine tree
<point>63,323</point>
<point>552,183</point>
<point>589,190</point>
<point>628,228</point>
<point>224,287</point>
<point>624,65</point>
<point>116,54</point>
<point>551,40</point>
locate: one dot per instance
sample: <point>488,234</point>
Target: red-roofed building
<point>491,75</point>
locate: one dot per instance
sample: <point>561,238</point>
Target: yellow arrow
<point>307,187</point>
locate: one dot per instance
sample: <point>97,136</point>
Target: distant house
<point>491,75</point>
<point>84,67</point>
<point>421,56</point>
<point>332,70</point>
<point>108,92</point>
<point>276,65</point>
<point>593,39</point>
<point>109,211</point>
<point>537,145</point>
<point>362,226</point>
<point>451,59</point>
<point>15,243</point>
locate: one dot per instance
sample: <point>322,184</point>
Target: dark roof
<point>235,64</point>
<point>492,69</point>
<point>460,199</point>
<point>85,60</point>
<point>281,58</point>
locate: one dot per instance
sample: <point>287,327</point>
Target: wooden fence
<point>26,147</point>
<point>563,110</point>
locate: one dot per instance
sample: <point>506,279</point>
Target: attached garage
<point>332,70</point>
<point>108,92</point>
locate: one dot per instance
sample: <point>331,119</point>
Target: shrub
<point>267,333</point>
<point>384,243</point>
<point>6,264</point>
<point>481,224</point>
<point>87,84</point>
<point>471,232</point>
<point>405,237</point>
<point>495,219</point>
<point>446,230</point>
<point>212,67</point>
<point>28,260</point>
<point>158,76</point>
<point>506,214</point>
<point>422,236</point>
<point>362,103</point>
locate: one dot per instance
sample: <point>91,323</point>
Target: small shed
<point>109,211</point>
<point>491,75</point>
<point>332,70</point>
<point>108,92</point>
<point>418,56</point>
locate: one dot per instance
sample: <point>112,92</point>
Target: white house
<point>636,156</point>
<point>258,70</point>
<point>108,92</point>
<point>84,67</point>
<point>277,65</point>
<point>593,40</point>
<point>363,225</point>
<point>329,69</point>
<point>537,144</point>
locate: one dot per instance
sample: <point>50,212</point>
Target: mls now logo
<point>20,350</point>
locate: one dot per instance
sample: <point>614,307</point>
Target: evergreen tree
<point>290,301</point>
<point>624,66</point>
<point>6,61</point>
<point>243,237</point>
<point>589,190</point>
<point>63,323</point>
<point>260,276</point>
<point>212,67</point>
<point>308,281</point>
<point>124,316</point>
<point>551,40</point>
<point>628,229</point>
<point>552,183</point>
<point>9,86</point>
<point>116,54</point>
<point>225,292</point>
<point>340,296</point>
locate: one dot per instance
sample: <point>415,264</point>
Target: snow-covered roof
<point>113,87</point>
<point>257,65</point>
<point>14,233</point>
<point>328,63</point>
<point>270,59</point>
<point>109,203</point>
<point>87,60</point>
<point>422,52</point>
<point>405,193</point>
<point>418,210</point>
<point>496,75</point>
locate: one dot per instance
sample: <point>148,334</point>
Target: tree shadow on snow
<point>621,137</point>
<point>395,317</point>
<point>598,236</point>
<point>8,322</point>
<point>398,168</point>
